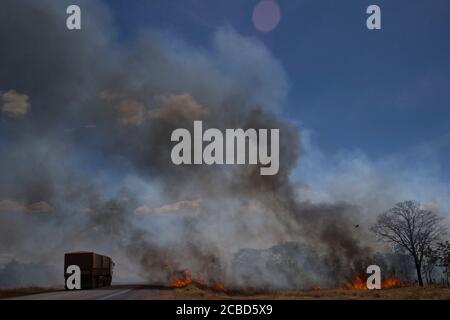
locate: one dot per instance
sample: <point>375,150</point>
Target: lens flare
<point>266,15</point>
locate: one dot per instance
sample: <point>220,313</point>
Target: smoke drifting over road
<point>92,143</point>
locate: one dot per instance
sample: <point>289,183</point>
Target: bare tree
<point>431,260</point>
<point>443,249</point>
<point>412,227</point>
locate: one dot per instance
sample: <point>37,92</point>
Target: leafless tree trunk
<point>431,260</point>
<point>443,250</point>
<point>411,227</point>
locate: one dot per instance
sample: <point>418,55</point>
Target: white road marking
<point>115,294</point>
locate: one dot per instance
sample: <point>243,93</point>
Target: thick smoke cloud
<point>95,147</point>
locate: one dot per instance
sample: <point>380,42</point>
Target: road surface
<point>115,292</point>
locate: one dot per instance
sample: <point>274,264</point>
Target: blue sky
<point>372,108</point>
<point>383,92</point>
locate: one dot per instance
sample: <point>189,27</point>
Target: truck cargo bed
<point>96,269</point>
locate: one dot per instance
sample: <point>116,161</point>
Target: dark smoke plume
<point>94,144</point>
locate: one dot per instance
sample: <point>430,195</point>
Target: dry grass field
<point>409,293</point>
<point>193,291</point>
<point>17,292</point>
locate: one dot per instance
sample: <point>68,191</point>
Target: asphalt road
<point>115,292</point>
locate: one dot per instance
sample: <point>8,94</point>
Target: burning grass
<point>183,279</point>
<point>392,289</point>
<point>395,293</point>
<point>360,282</point>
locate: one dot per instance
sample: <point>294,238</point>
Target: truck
<point>96,269</point>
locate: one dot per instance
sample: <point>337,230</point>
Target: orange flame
<point>183,278</point>
<point>183,281</point>
<point>360,282</point>
<point>392,282</point>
